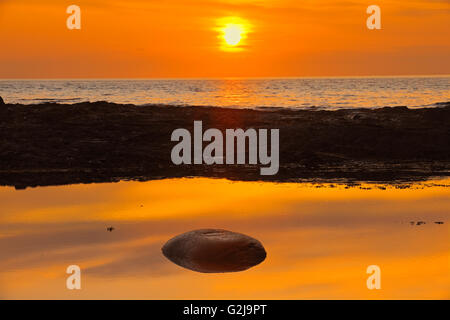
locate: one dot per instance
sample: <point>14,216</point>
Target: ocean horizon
<point>316,93</point>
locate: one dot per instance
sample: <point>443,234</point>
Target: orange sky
<point>180,38</point>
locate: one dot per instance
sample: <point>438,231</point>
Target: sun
<point>232,32</point>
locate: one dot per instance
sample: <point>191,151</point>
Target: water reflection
<point>319,240</point>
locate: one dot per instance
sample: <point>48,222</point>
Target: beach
<point>55,144</point>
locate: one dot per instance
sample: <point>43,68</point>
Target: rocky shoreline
<point>55,144</point>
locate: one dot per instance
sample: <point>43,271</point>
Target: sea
<point>298,93</point>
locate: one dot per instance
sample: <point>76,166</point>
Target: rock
<point>214,250</point>
<point>1,101</point>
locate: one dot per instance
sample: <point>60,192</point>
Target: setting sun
<point>232,34</point>
<point>233,31</point>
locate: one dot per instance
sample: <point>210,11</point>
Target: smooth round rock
<point>214,250</point>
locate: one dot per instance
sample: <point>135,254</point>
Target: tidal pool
<point>319,239</point>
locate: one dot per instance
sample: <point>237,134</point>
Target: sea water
<point>302,93</point>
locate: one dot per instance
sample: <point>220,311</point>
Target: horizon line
<point>230,78</point>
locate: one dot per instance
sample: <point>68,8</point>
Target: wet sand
<point>56,144</point>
